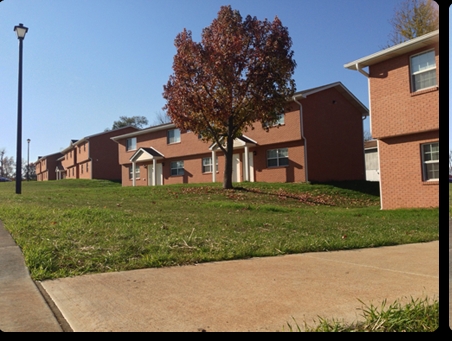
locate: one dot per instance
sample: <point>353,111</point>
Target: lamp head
<point>20,30</point>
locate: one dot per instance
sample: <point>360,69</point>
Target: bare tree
<point>8,167</point>
<point>161,117</point>
<point>367,135</point>
<point>124,121</point>
<point>2,152</point>
<point>450,161</point>
<point>413,18</point>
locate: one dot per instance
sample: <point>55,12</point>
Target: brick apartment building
<point>92,157</point>
<point>46,166</point>
<point>319,138</point>
<point>404,114</point>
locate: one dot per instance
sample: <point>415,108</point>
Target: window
<point>81,169</point>
<point>131,144</point>
<point>423,71</point>
<point>87,167</point>
<point>279,122</point>
<point>277,157</point>
<point>173,136</point>
<point>430,161</point>
<point>207,165</point>
<point>137,172</point>
<point>177,168</point>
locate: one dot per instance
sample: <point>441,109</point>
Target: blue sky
<point>88,62</point>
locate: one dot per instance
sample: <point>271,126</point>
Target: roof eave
<point>393,51</point>
<point>144,131</point>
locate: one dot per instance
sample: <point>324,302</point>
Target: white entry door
<point>236,168</point>
<point>159,175</point>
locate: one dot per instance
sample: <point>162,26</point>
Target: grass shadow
<point>362,186</point>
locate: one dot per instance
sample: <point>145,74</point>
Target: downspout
<point>361,70</point>
<point>302,136</point>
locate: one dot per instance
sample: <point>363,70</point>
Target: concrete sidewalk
<point>259,294</point>
<point>22,307</point>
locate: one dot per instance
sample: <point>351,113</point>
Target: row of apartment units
<point>329,118</point>
<point>319,138</point>
<point>92,157</point>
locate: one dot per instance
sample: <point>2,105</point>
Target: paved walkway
<point>259,294</point>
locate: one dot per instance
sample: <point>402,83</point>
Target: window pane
<point>280,120</point>
<point>173,136</point>
<point>424,80</point>
<point>423,70</point>
<point>272,162</point>
<point>272,154</point>
<point>432,170</point>
<point>430,155</point>
<point>177,168</point>
<point>207,165</point>
<point>283,152</point>
<point>423,62</point>
<point>131,143</point>
<point>284,161</point>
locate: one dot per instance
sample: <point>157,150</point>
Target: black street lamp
<point>20,30</point>
<point>28,160</point>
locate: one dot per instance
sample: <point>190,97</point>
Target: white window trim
<point>424,172</point>
<point>412,74</point>
<point>209,165</point>
<point>177,168</point>
<point>168,136</point>
<point>137,172</point>
<point>277,157</point>
<point>128,148</point>
<point>282,117</point>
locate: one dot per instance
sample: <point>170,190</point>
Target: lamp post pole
<point>20,30</point>
<point>28,160</point>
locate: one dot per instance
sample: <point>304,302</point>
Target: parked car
<point>2,179</point>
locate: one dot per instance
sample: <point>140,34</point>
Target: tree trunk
<point>227,180</point>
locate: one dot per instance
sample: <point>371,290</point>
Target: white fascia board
<point>144,131</point>
<point>393,51</point>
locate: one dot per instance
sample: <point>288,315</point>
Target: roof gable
<point>146,154</point>
<point>339,87</point>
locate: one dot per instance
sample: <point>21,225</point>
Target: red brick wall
<point>395,109</point>
<point>295,172</point>
<point>401,180</point>
<point>70,159</point>
<point>45,168</point>
<point>82,151</point>
<point>334,132</point>
<point>402,121</point>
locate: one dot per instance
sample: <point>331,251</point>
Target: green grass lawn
<point>73,227</point>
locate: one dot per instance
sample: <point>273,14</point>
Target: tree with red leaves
<point>240,73</point>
